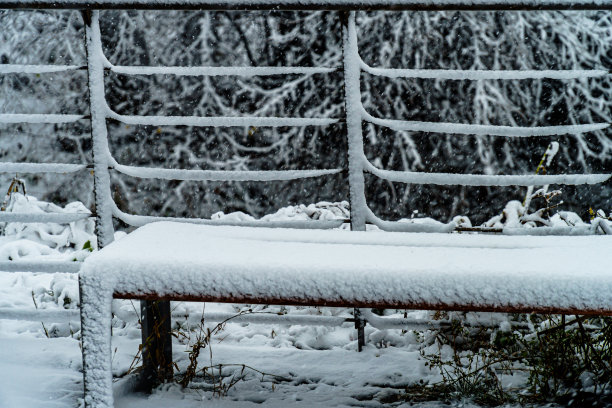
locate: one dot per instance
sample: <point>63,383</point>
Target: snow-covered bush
<point>48,242</point>
<point>323,211</point>
<point>73,241</point>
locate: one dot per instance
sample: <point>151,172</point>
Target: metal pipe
<point>99,133</point>
<point>297,5</point>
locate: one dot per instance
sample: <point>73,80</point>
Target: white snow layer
<point>9,167</point>
<point>219,71</point>
<point>301,4</point>
<point>219,121</point>
<point>43,217</point>
<point>98,109</point>
<point>476,129</point>
<point>221,175</point>
<point>44,237</point>
<point>35,69</point>
<point>38,118</point>
<point>477,74</point>
<point>486,179</point>
<point>219,261</point>
<point>233,219</point>
<point>360,268</point>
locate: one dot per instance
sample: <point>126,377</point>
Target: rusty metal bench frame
<point>173,261</point>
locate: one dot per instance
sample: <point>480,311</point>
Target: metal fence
<point>355,116</point>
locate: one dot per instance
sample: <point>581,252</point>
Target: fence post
<point>155,315</point>
<point>99,134</point>
<point>104,220</point>
<point>352,106</point>
<point>356,156</point>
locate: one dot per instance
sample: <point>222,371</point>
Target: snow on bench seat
<point>337,268</point>
<point>220,263</point>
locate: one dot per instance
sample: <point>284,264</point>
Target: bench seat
<point>178,261</point>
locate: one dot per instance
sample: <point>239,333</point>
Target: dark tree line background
<point>453,40</point>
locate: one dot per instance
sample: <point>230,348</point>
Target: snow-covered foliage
<point>71,241</point>
<point>513,40</point>
<point>513,215</point>
<point>323,211</point>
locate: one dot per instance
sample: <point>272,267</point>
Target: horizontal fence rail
<point>221,175</point>
<point>474,74</point>
<point>36,69</point>
<point>41,266</point>
<point>57,315</point>
<point>221,71</point>
<point>219,121</point>
<point>39,118</point>
<point>483,130</point>
<point>453,179</point>
<point>346,5</point>
<point>37,315</point>
<point>135,220</point>
<point>6,167</point>
<point>56,218</point>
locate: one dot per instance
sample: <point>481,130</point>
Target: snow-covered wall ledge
<point>335,267</point>
<point>312,4</point>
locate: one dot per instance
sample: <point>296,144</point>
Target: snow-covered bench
<point>176,261</point>
<point>240,264</point>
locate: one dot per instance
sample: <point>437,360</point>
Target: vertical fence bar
<point>356,157</point>
<point>352,105</point>
<point>102,192</point>
<point>99,133</point>
<point>155,316</point>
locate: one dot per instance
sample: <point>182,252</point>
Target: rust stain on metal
<point>288,301</point>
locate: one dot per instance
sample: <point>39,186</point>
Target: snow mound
<point>74,240</point>
<point>323,211</point>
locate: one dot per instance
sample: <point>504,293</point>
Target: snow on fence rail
<point>39,118</point>
<point>36,69</point>
<point>478,74</point>
<point>7,167</point>
<point>221,175</point>
<point>355,115</point>
<point>219,121</point>
<point>382,323</point>
<point>491,130</point>
<point>221,71</point>
<point>420,5</point>
<point>56,218</point>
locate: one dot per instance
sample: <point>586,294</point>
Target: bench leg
<point>156,343</point>
<point>360,326</point>
<point>96,343</point>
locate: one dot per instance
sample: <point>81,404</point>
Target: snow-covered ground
<point>40,362</point>
<point>304,365</point>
